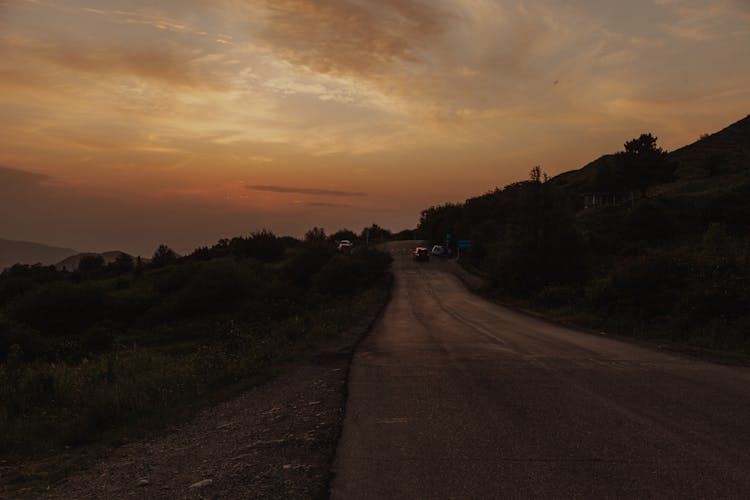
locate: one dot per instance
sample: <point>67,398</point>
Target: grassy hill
<point>719,158</point>
<point>722,153</point>
<point>663,252</point>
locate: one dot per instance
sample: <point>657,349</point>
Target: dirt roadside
<point>274,441</point>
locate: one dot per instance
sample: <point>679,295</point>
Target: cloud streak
<point>154,100</point>
<point>170,65</point>
<point>344,37</point>
<point>15,178</point>
<point>310,191</point>
<point>318,204</point>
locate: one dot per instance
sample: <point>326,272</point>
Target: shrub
<point>90,264</point>
<point>305,263</point>
<point>648,222</point>
<point>217,286</point>
<point>345,274</point>
<point>128,305</point>
<point>557,296</point>
<point>174,278</point>
<point>31,344</point>
<point>315,235</point>
<point>262,245</point>
<point>124,263</point>
<point>265,246</point>
<point>19,279</point>
<point>59,308</point>
<point>644,287</point>
<point>99,338</point>
<point>163,256</point>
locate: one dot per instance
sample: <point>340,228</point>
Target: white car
<point>345,246</point>
<point>438,251</point>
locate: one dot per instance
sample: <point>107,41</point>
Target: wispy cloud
<point>310,191</point>
<point>157,22</point>
<point>14,178</point>
<point>168,64</point>
<point>698,21</point>
<point>341,36</point>
<point>137,96</point>
<point>318,204</point>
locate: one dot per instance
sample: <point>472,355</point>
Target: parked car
<point>421,254</point>
<point>439,251</point>
<point>345,246</point>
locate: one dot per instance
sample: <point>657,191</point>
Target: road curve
<point>455,397</point>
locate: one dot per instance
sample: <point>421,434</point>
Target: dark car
<point>421,254</point>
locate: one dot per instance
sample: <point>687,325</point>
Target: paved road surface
<point>454,397</point>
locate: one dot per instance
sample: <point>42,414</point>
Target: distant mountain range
<point>720,156</point>
<point>25,252</point>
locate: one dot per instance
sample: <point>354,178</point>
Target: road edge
<point>692,352</point>
<point>352,349</point>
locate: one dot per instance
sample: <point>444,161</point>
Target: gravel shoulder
<point>274,441</point>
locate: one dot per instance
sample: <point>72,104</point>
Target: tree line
<point>670,259</point>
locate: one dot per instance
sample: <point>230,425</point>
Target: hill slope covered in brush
<point>641,242</point>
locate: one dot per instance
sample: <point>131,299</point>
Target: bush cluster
<point>85,351</point>
<point>666,259</point>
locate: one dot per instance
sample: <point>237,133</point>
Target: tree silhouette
<point>90,264</point>
<point>315,235</point>
<point>264,245</point>
<point>644,163</point>
<point>343,234</point>
<point>123,263</point>
<point>163,256</point>
<point>376,233</point>
<point>438,221</point>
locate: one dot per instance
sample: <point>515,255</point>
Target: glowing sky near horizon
<point>124,124</point>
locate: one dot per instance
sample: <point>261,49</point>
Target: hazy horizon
<point>129,124</point>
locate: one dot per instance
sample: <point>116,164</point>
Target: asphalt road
<point>455,397</point>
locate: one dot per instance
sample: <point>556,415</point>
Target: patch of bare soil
<point>274,441</point>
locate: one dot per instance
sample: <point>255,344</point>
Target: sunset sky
<point>125,124</point>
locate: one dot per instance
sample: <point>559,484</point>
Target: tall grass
<point>82,357</point>
<point>48,405</point>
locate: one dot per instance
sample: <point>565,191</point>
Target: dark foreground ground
<point>452,396</point>
<point>275,441</point>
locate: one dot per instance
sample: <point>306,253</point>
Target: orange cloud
<point>14,179</point>
<point>311,191</point>
<point>166,64</point>
<point>339,36</point>
<point>189,102</point>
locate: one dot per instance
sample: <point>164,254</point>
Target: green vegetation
<point>640,243</point>
<point>107,348</point>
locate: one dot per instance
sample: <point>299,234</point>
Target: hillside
<point>71,263</point>
<point>584,179</point>
<point>718,157</point>
<point>642,242</point>
<point>130,345</point>
<point>727,151</point>
<point>24,252</point>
